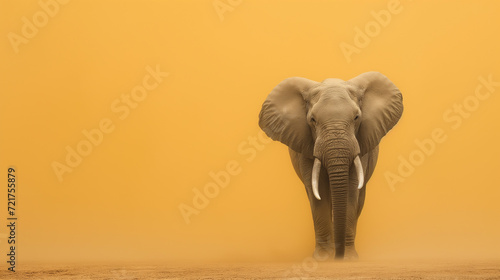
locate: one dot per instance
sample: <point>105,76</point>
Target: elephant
<point>333,129</point>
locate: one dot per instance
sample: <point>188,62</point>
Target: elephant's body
<point>322,210</point>
<point>333,129</point>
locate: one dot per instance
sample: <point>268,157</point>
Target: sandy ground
<point>301,270</point>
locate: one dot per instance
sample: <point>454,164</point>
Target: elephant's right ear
<point>381,109</point>
<point>283,115</point>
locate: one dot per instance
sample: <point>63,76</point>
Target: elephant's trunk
<point>337,161</point>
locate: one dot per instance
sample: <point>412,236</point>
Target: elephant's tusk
<point>359,170</point>
<point>315,177</point>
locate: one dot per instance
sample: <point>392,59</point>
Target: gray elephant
<point>333,130</point>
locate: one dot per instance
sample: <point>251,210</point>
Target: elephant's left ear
<point>283,115</point>
<point>381,108</point>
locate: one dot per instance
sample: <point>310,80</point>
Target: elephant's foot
<point>350,253</point>
<point>323,253</point>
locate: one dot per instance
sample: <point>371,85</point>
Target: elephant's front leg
<point>323,229</point>
<point>355,205</point>
<point>321,209</point>
<point>322,218</point>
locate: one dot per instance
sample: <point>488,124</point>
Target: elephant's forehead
<point>336,93</point>
<point>334,100</point>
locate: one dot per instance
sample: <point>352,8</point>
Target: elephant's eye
<point>313,120</point>
<point>355,118</point>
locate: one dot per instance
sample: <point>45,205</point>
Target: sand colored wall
<point>101,68</point>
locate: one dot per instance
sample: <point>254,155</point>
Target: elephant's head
<point>334,122</point>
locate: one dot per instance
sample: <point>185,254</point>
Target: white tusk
<point>359,170</point>
<point>315,177</point>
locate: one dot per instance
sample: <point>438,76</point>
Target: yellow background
<point>122,202</point>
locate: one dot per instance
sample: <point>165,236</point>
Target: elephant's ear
<point>381,108</point>
<point>283,115</point>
